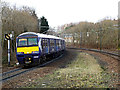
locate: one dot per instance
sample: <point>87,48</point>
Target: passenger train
<point>33,48</point>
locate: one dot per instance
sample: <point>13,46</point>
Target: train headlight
<point>20,52</point>
<point>35,51</point>
<point>36,56</point>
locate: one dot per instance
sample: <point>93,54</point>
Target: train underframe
<point>48,57</point>
<point>30,61</point>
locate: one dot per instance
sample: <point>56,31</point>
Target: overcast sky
<point>59,12</point>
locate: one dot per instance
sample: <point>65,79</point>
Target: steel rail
<point>30,69</point>
<point>96,50</point>
<point>11,71</point>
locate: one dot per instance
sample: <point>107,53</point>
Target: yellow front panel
<point>27,50</point>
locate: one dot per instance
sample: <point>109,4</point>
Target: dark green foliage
<point>25,29</point>
<point>43,24</point>
<point>34,14</point>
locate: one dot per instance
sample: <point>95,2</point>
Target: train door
<point>52,45</point>
<point>57,45</point>
<point>45,46</point>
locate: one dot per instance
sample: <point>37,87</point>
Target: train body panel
<point>30,47</point>
<point>28,50</point>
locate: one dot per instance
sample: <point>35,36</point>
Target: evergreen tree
<point>43,24</point>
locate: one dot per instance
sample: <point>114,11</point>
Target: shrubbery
<point>18,20</point>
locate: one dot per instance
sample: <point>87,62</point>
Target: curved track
<point>100,51</point>
<point>15,72</point>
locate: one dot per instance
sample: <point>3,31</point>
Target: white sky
<point>59,12</point>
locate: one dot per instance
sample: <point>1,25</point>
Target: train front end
<point>27,49</point>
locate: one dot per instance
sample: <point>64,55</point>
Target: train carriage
<point>32,47</point>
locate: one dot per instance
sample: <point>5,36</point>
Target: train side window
<point>43,43</point>
<point>51,42</point>
<point>61,42</point>
<point>46,42</point>
<point>57,42</point>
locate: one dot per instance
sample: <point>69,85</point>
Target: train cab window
<point>27,41</point>
<point>22,42</point>
<point>32,41</point>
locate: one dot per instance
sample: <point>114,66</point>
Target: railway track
<point>16,72</point>
<point>100,51</point>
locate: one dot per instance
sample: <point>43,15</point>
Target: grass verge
<point>83,72</point>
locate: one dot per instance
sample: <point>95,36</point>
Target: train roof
<point>41,35</point>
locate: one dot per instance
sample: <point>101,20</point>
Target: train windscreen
<point>27,41</point>
<point>32,41</point>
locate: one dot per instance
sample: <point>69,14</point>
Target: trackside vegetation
<point>18,20</point>
<point>100,35</point>
<point>83,72</point>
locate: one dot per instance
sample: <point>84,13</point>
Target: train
<point>33,48</point>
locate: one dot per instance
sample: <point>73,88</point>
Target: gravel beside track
<point>111,64</point>
<point>25,78</point>
<point>113,61</point>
